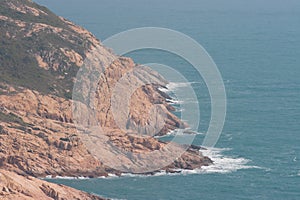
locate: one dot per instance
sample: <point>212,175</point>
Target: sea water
<point>256,46</point>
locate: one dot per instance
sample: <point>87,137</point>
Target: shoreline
<point>230,164</point>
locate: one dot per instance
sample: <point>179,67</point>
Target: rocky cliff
<point>40,55</point>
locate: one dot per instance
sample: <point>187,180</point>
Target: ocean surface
<point>256,46</point>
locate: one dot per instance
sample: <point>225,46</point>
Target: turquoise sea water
<point>256,45</point>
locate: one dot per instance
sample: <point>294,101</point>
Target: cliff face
<point>40,55</point>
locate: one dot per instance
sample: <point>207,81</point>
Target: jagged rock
<point>38,133</point>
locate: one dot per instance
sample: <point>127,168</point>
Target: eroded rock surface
<point>23,187</point>
<point>42,132</point>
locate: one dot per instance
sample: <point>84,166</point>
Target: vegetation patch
<point>12,118</point>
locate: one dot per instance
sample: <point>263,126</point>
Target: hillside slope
<point>40,55</point>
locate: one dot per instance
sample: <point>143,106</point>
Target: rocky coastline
<point>39,59</point>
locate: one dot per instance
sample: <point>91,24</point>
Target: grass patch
<point>18,65</point>
<point>50,19</point>
<point>13,119</point>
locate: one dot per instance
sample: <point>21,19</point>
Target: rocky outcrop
<point>38,137</point>
<point>23,187</point>
<point>40,129</point>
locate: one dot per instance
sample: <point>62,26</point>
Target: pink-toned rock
<point>22,187</point>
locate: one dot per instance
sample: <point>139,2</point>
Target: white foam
<point>181,102</point>
<point>221,164</point>
<point>83,177</point>
<point>165,90</point>
<point>134,175</point>
<point>180,132</point>
<point>173,101</point>
<point>112,175</point>
<point>172,86</point>
<point>67,177</point>
<point>159,173</point>
<point>224,164</point>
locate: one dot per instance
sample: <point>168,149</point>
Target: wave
<point>165,90</point>
<point>221,164</point>
<point>224,164</point>
<point>67,177</point>
<point>175,85</point>
<point>116,199</point>
<point>174,102</point>
<point>175,132</point>
<point>295,174</point>
<point>172,86</point>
